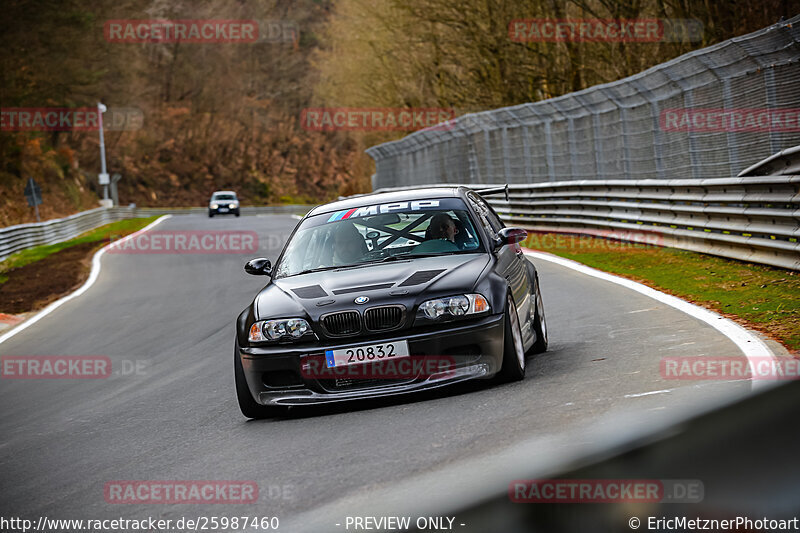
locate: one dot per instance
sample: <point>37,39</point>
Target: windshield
<point>407,230</point>
<point>224,197</point>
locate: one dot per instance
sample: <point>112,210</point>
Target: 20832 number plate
<point>366,354</point>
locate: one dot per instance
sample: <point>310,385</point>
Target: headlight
<point>232,206</point>
<point>272,330</point>
<point>214,206</point>
<point>454,306</point>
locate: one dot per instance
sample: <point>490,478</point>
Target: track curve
<point>177,419</point>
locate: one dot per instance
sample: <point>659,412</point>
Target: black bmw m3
<point>387,294</point>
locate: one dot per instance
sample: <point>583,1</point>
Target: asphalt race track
<point>176,418</point>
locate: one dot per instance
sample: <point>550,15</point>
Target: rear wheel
<point>513,352</point>
<point>249,407</point>
<point>539,323</point>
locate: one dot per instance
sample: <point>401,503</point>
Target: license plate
<point>223,209</point>
<point>360,355</point>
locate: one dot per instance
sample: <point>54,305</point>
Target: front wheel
<point>513,351</point>
<point>249,407</point>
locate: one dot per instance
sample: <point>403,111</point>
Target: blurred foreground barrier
<point>22,236</point>
<point>750,482</point>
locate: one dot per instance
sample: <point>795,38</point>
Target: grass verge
<point>763,298</point>
<point>103,234</point>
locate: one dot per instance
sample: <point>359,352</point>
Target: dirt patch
<point>35,285</point>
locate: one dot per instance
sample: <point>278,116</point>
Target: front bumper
<point>275,374</point>
<point>223,211</point>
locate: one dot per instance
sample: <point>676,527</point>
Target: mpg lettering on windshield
<point>356,212</point>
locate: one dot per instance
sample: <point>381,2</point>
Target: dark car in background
<point>369,290</point>
<point>223,203</point>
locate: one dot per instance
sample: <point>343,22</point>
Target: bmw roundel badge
<point>361,299</point>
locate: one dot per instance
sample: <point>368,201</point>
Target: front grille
<point>343,323</point>
<point>383,318</point>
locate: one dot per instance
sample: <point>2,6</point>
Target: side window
<point>486,215</point>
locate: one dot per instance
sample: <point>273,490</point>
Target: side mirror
<point>510,236</point>
<point>258,267</point>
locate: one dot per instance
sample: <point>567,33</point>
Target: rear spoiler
<point>494,190</point>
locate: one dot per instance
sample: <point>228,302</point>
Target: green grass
<point>765,298</point>
<point>103,233</point>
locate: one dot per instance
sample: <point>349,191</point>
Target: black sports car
<point>387,294</point>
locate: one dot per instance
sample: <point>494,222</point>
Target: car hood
<point>406,282</point>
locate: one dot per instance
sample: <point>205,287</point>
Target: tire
<point>237,213</point>
<point>210,214</point>
<point>513,352</point>
<point>539,323</point>
<point>249,407</point>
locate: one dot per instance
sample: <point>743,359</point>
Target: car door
<point>510,264</point>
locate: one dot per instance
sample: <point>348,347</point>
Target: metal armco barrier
<point>608,158</point>
<point>23,236</point>
<point>750,219</point>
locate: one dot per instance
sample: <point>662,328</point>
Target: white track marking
<point>639,395</point>
<point>751,346</point>
<point>95,272</point>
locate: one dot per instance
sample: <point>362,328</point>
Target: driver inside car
<point>442,231</point>
<point>443,227</point>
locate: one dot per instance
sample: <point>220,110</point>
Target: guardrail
<point>752,219</point>
<point>23,236</point>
